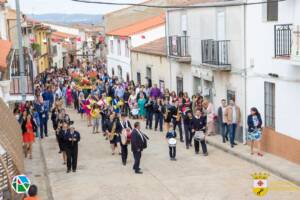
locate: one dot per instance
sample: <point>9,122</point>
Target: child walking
<point>171,137</point>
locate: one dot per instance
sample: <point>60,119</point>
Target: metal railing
<point>15,87</point>
<point>178,46</point>
<point>215,52</point>
<point>283,40</point>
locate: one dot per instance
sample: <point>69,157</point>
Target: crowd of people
<point>109,104</point>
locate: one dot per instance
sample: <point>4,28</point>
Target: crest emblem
<point>260,184</point>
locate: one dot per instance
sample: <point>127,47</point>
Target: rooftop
<point>139,26</point>
<point>62,35</point>
<point>156,47</point>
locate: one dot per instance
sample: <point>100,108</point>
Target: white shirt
<point>234,115</point>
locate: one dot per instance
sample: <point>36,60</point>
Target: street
<point>102,176</point>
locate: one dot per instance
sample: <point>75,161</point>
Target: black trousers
<point>172,152</point>
<point>159,118</point>
<point>149,119</point>
<point>72,155</point>
<point>188,135</point>
<point>137,158</point>
<point>203,146</point>
<point>178,123</point>
<point>124,152</point>
<point>76,104</point>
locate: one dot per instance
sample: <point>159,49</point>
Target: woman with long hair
<point>69,96</point>
<point>28,129</point>
<point>254,122</point>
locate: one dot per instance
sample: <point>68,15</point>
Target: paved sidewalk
<point>36,170</point>
<point>274,164</point>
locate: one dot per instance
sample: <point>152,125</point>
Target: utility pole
<point>21,52</point>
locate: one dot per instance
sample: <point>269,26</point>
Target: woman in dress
<point>254,122</point>
<point>69,96</point>
<point>87,109</point>
<point>28,129</point>
<point>141,104</point>
<point>132,100</point>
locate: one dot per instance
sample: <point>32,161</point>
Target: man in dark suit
<point>72,138</point>
<point>137,146</point>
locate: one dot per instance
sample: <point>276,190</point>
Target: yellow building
<point>42,41</point>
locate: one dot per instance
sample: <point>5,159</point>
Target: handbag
<point>199,135</point>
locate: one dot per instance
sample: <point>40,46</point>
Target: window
<point>179,82</point>
<point>270,105</point>
<point>272,10</point>
<point>126,48</point>
<point>111,46</point>
<point>113,71</point>
<point>230,95</point>
<point>119,47</point>
<point>54,50</point>
<point>161,85</point>
<point>120,73</point>
<point>138,77</point>
<point>148,73</point>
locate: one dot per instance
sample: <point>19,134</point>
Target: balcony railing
<point>215,52</point>
<point>283,40</point>
<point>178,46</point>
<point>15,87</point>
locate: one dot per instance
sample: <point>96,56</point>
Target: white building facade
<point>250,53</point>
<point>273,52</point>
<point>120,42</point>
<point>206,54</point>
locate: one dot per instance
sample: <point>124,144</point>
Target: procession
<point>149,99</point>
<point>109,106</point>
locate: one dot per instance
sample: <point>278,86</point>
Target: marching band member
<point>176,115</point>
<point>171,137</point>
<point>126,129</point>
<point>199,128</point>
<point>111,131</point>
<point>72,138</point>
<point>149,112</point>
<point>187,122</point>
<point>167,114</point>
<point>158,113</point>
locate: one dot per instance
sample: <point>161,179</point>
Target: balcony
<point>283,40</point>
<point>178,49</point>
<point>215,54</point>
<point>15,83</point>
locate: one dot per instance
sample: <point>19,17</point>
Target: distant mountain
<point>67,19</point>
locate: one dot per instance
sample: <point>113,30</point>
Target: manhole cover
<point>37,175</point>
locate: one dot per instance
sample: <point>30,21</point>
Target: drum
<point>199,135</point>
<point>172,142</point>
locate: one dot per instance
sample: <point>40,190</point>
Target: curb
<point>48,185</point>
<point>260,164</point>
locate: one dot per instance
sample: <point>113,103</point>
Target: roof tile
<point>139,26</point>
<point>156,47</point>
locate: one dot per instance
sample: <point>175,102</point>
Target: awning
<point>5,47</point>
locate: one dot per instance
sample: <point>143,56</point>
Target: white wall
<point>3,32</point>
<point>150,35</point>
<point>260,52</point>
<point>114,60</point>
<point>160,68</point>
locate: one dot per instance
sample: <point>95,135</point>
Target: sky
<point>66,6</point>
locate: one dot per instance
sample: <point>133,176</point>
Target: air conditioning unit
<point>295,55</point>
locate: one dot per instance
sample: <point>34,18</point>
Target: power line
<point>227,4</point>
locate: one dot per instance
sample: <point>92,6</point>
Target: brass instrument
<point>166,113</point>
<point>113,132</point>
<point>178,116</point>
